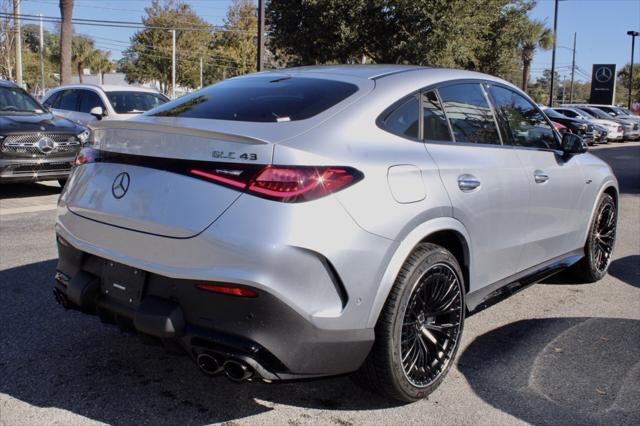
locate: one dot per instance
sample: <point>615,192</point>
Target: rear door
<point>553,225</point>
<point>484,179</point>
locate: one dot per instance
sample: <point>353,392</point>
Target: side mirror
<point>613,114</point>
<point>573,144</point>
<point>98,112</point>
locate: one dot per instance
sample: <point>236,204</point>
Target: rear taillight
<point>86,155</point>
<point>283,183</point>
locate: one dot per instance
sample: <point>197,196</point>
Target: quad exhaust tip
<point>234,369</point>
<point>237,371</point>
<point>208,364</point>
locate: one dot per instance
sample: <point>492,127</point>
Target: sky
<point>601,27</point>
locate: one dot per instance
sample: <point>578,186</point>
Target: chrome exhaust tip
<point>237,371</point>
<point>208,364</point>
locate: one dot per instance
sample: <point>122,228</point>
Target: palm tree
<point>100,63</point>
<point>66,35</point>
<point>83,53</point>
<point>534,35</point>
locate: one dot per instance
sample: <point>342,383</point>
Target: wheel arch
<point>609,187</point>
<point>444,231</point>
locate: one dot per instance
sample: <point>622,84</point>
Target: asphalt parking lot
<point>557,353</point>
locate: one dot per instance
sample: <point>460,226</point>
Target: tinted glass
<point>88,100</point>
<point>261,99</point>
<point>527,125</point>
<point>124,102</point>
<point>434,122</point>
<point>596,112</point>
<point>51,99</point>
<point>553,114</point>
<point>405,119</point>
<point>567,112</point>
<point>469,114</point>
<point>15,101</point>
<point>68,101</point>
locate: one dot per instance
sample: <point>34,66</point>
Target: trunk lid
<point>138,195</point>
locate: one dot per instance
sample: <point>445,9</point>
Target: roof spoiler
<point>175,130</point>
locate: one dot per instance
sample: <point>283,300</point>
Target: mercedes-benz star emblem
<point>120,185</point>
<point>45,145</point>
<point>603,74</point>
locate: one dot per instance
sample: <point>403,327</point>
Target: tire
<point>598,249</point>
<point>430,273</point>
<point>62,182</point>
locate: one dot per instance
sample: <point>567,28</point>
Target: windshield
<point>130,102</point>
<point>553,114</point>
<point>266,99</point>
<point>618,111</point>
<point>584,113</point>
<point>14,100</point>
<point>598,113</point>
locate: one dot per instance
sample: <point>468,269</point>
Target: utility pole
<point>553,55</point>
<point>173,64</point>
<point>16,28</point>
<point>260,34</point>
<point>201,72</point>
<point>573,69</point>
<point>633,35</point>
<point>42,83</point>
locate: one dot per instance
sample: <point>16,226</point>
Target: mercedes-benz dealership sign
<point>603,84</point>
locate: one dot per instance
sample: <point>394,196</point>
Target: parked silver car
<point>324,220</point>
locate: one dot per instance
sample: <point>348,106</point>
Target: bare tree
<point>66,36</point>
<point>7,36</point>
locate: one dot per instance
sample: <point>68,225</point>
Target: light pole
<point>633,35</point>
<point>260,52</point>
<point>553,54</point>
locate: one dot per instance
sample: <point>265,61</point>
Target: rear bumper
<point>31,170</point>
<point>263,331</point>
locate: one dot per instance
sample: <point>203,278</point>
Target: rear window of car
<point>260,99</point>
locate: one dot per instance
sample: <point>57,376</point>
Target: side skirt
<point>498,291</point>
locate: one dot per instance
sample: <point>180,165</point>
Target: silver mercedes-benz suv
<point>325,220</point>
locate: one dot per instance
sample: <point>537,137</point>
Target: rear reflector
<point>227,289</point>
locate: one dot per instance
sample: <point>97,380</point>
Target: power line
<point>125,24</point>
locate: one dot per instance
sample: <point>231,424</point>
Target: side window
<point>469,113</point>
<point>69,100</point>
<point>434,122</point>
<point>527,125</point>
<point>405,119</point>
<point>51,100</point>
<point>88,100</point>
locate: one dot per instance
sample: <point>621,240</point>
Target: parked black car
<point>34,144</point>
<point>580,127</point>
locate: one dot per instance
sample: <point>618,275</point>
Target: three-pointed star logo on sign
<point>120,185</point>
<point>603,74</point>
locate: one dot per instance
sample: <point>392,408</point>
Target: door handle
<point>540,177</point>
<point>468,183</point>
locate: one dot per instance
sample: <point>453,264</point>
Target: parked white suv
<point>85,103</point>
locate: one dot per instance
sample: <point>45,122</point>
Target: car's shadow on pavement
<point>627,269</point>
<point>559,370</point>
<point>68,360</point>
<point>23,190</point>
